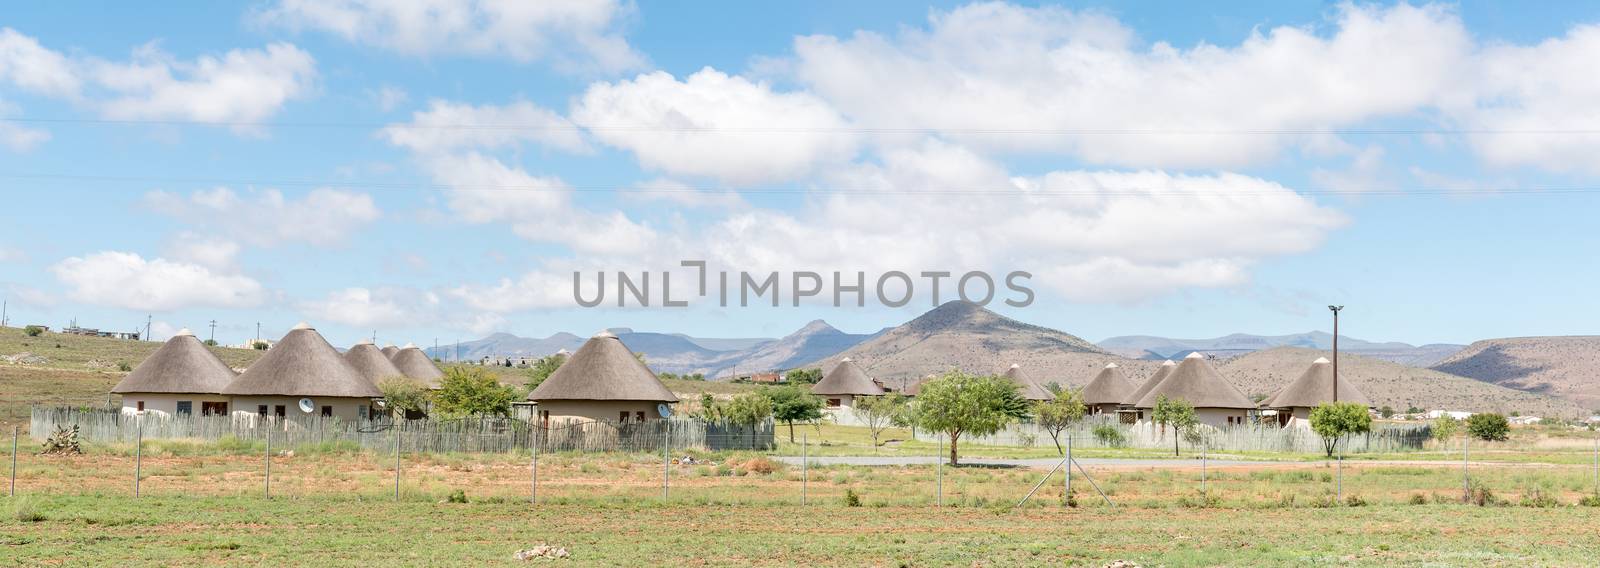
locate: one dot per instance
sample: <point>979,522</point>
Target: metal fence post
<point>1339,473</point>
<point>397,462</point>
<point>533,488</point>
<point>805,473</point>
<point>268,483</point>
<point>1466,478</point>
<point>14,430</point>
<point>1596,459</point>
<point>1203,457</point>
<point>938,469</point>
<point>1066,497</point>
<point>138,453</point>
<point>666,467</point>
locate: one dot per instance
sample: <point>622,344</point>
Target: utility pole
<point>213,338</point>
<point>5,312</point>
<point>147,337</point>
<point>1335,310</point>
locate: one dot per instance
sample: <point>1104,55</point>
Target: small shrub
<point>851,499</point>
<point>457,496</point>
<point>26,511</point>
<point>1482,496</point>
<point>759,465</point>
<point>124,366</point>
<point>1355,501</point>
<point>1200,501</point>
<point>1590,501</point>
<point>33,330</point>
<point>1538,498</point>
<point>1109,436</point>
<point>1489,427</point>
<point>1418,499</point>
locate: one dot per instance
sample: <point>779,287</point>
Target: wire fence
<point>498,434</point>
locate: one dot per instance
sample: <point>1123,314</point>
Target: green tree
<point>541,370</point>
<point>1055,416</point>
<point>33,330</point>
<point>803,376</point>
<point>1335,420</point>
<point>748,409</point>
<point>878,412</point>
<point>1445,427</point>
<point>792,404</point>
<point>472,391</point>
<point>1489,427</point>
<point>1385,411</point>
<point>1177,413</point>
<point>210,343</point>
<point>958,403</point>
<point>404,396</point>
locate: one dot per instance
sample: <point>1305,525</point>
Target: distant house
<point>603,380</point>
<point>303,375</point>
<point>389,350</point>
<point>1216,401</point>
<point>1454,414</point>
<point>370,362</point>
<point>1314,387</point>
<point>1107,392</point>
<point>768,378</point>
<point>415,364</point>
<point>1030,388</point>
<point>1129,412</point>
<point>1525,420</point>
<point>846,381</point>
<point>182,377</point>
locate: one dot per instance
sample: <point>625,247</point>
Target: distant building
<point>1030,388</point>
<point>1314,387</point>
<point>415,364</point>
<point>603,381</point>
<point>92,332</point>
<point>846,381</point>
<point>182,377</point>
<point>1455,414</point>
<point>1129,412</point>
<point>1525,420</point>
<point>303,375</point>
<point>768,378</point>
<point>1107,392</point>
<point>1216,401</point>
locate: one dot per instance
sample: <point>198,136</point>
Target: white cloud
<point>15,136</point>
<point>718,126</point>
<point>242,85</point>
<point>679,193</point>
<point>127,280</point>
<point>367,308</point>
<point>389,97</point>
<point>266,217</point>
<point>1530,99</point>
<point>572,33</point>
<point>210,252</point>
<point>447,126</point>
<point>35,68</point>
<point>1024,70</point>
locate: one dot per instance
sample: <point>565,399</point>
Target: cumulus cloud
<point>715,125</point>
<point>367,308</point>
<point>128,280</point>
<point>572,33</point>
<point>267,217</point>
<point>35,68</point>
<point>210,252</point>
<point>448,126</point>
<point>1050,79</point>
<point>1528,95</point>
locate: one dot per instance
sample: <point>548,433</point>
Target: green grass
<point>344,531</point>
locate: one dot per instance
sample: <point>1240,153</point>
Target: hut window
<point>213,408</point>
<point>624,417</point>
<point>261,409</point>
<point>279,410</point>
<point>362,412</point>
<point>833,402</point>
<point>140,406</point>
<point>639,415</point>
<point>185,407</point>
<point>327,411</point>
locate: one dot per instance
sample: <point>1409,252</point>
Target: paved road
<point>1029,463</point>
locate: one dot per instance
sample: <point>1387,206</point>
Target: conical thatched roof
<point>603,369</point>
<point>1150,383</point>
<point>1315,387</point>
<point>367,359</point>
<point>416,364</point>
<point>1109,386</point>
<point>181,365</point>
<point>389,350</point>
<point>1031,389</point>
<point>847,378</point>
<point>1197,382</point>
<point>302,364</point>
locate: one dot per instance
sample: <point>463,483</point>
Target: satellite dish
<point>307,406</point>
<point>664,410</point>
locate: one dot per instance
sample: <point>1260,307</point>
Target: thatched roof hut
<point>603,369</point>
<point>371,362</point>
<point>302,364</point>
<point>847,378</point>
<point>181,365</point>
<point>1109,386</point>
<point>415,364</point>
<point>1197,382</point>
<point>1150,383</point>
<point>1031,389</point>
<point>389,350</point>
<point>1315,387</point>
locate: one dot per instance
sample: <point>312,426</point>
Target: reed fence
<point>427,435</point>
<point>1384,438</point>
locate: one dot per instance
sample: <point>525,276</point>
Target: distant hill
<point>966,336</point>
<point>505,344</point>
<point>1233,345</point>
<point>1566,366</point>
<point>1388,383</point>
<point>814,341</point>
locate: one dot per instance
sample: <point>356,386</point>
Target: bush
<point>1538,498</point>
<point>1590,501</point>
<point>457,496</point>
<point>851,499</point>
<point>33,330</point>
<point>26,511</point>
<point>124,366</point>
<point>759,465</point>
<point>1484,497</point>
<point>1418,499</point>
<point>1109,436</point>
<point>1355,501</point>
<point>1489,427</point>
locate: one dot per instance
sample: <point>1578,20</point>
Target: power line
<point>1010,191</point>
<point>578,127</point>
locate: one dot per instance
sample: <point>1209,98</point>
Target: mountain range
<point>1565,366</point>
<point>1233,345</point>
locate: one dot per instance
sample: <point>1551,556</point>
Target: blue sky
<point>1162,168</point>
